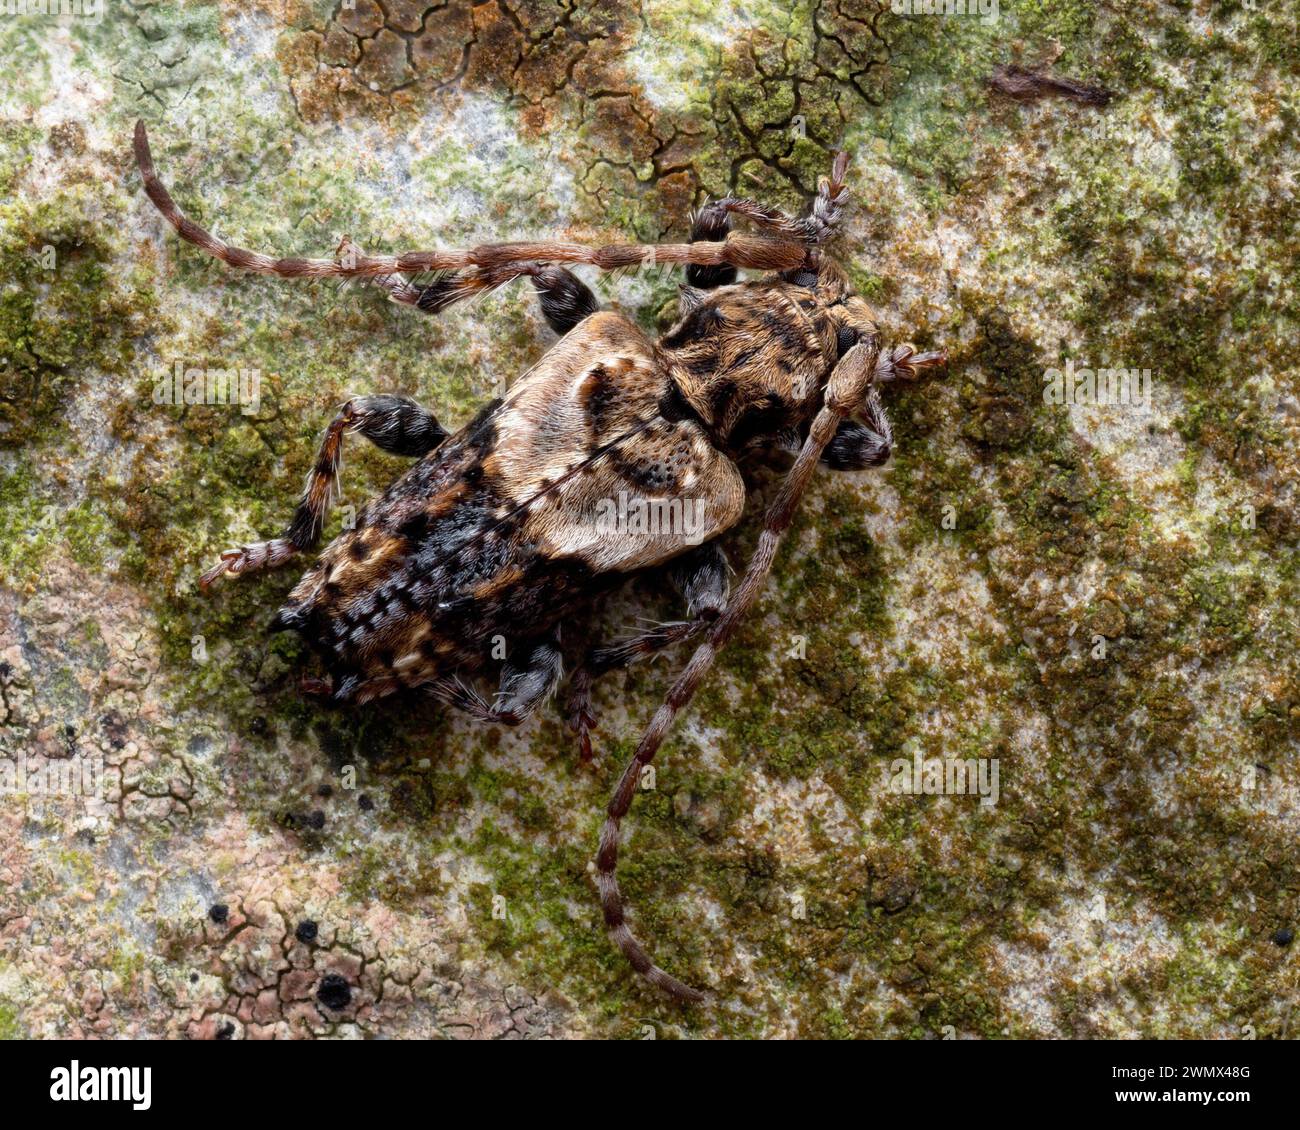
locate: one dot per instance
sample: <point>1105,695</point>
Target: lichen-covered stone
<point>1100,597</point>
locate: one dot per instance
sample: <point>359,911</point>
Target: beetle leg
<point>711,223</point>
<point>566,300</point>
<point>392,423</point>
<point>868,444</point>
<point>530,678</point>
<point>610,657</point>
<point>526,681</point>
<point>700,575</point>
<point>396,424</point>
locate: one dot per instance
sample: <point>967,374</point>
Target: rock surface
<point>1099,599</point>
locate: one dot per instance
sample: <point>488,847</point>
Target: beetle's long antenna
<point>844,394</point>
<point>477,264</point>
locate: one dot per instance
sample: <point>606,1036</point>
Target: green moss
<point>59,310</point>
<point>860,642</point>
<point>11,1027</point>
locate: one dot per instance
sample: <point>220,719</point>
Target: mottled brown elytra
<point>614,454</point>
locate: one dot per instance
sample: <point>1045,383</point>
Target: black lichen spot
<point>226,1031</point>
<point>258,726</point>
<point>194,978</point>
<point>115,728</point>
<point>219,912</point>
<point>334,992</point>
<point>365,803</point>
<point>316,820</point>
<point>326,790</point>
<point>1284,936</point>
<point>306,931</point>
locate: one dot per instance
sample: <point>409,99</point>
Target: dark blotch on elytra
<point>334,992</point>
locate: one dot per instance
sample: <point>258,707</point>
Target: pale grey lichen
<point>1102,599</point>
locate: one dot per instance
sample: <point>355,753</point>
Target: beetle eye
<point>846,339</point>
<point>805,278</point>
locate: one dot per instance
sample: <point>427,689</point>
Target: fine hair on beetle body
<point>489,532</point>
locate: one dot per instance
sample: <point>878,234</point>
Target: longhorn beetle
<point>497,529</point>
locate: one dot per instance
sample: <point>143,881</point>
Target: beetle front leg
<point>395,424</point>
<point>712,223</point>
<point>857,446</point>
<point>566,300</point>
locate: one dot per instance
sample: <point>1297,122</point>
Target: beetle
<point>493,530</point>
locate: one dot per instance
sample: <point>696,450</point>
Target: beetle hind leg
<point>701,576</point>
<point>610,657</point>
<point>526,682</point>
<point>565,299</point>
<point>711,223</point>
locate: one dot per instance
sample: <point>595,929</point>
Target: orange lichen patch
<point>776,98</point>
<point>439,51</point>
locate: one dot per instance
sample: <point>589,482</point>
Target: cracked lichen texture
<point>1103,599</point>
